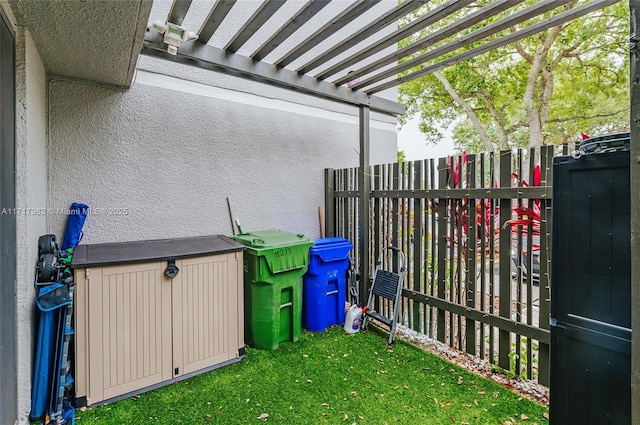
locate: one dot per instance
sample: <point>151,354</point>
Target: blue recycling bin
<point>325,284</point>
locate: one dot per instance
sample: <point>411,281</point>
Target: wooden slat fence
<point>472,227</point>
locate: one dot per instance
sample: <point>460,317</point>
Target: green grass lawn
<point>328,378</point>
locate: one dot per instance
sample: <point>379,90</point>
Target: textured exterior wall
<point>31,190</point>
<point>159,160</point>
<point>384,141</point>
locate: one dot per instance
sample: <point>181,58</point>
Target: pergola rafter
<point>339,58</point>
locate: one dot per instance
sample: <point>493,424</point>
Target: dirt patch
<point>529,389</point>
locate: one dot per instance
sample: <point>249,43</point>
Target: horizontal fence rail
<point>476,232</point>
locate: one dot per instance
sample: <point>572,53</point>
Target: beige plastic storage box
<point>149,313</point>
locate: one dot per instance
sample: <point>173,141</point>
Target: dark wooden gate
<point>591,291</point>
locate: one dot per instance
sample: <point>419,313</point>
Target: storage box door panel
<point>129,335</point>
<point>204,305</point>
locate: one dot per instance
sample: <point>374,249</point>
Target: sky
<point>412,142</point>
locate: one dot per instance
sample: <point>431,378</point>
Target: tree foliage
<point>545,89</point>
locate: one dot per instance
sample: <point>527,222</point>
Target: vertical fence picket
<point>482,252</point>
<point>530,263</point>
<point>453,266</point>
<point>519,276</point>
<point>344,204</point>
<point>405,246</point>
<point>395,225</point>
<point>378,219</point>
<point>504,281</point>
<point>458,251</point>
<point>442,252</point>
<point>382,220</point>
<point>470,289</point>
<point>546,155</point>
<point>355,211</point>
<point>492,258</point>
<point>431,255</point>
<point>330,202</point>
<point>418,240</point>
<point>456,248</point>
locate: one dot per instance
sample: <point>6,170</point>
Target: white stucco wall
<point>31,192</point>
<point>159,160</point>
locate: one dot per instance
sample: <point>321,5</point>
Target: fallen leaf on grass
<point>309,381</point>
<point>324,405</point>
<point>263,416</point>
<point>524,417</point>
<point>354,393</point>
<point>545,415</point>
<point>345,417</point>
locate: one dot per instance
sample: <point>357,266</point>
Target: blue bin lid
<point>331,249</point>
<point>326,242</point>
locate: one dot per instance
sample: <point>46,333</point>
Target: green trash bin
<point>274,263</point>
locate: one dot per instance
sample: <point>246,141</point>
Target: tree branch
<point>467,109</point>
<point>498,118</point>
<point>585,117</point>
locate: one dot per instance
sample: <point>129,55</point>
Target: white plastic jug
<point>353,319</point>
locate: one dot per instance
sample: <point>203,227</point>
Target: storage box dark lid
<point>152,250</point>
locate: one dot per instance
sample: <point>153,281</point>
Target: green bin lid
<point>283,251</point>
<point>270,239</point>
